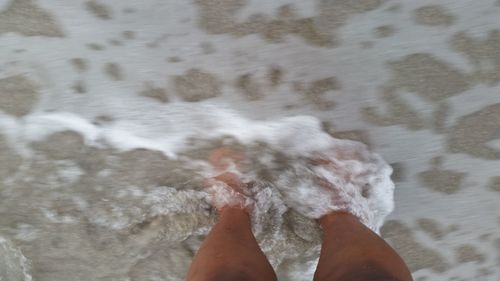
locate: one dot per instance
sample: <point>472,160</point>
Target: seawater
<point>123,199</point>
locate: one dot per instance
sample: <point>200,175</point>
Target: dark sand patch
<point>428,76</point>
<point>80,87</point>
<point>433,15</point>
<point>155,175</point>
<point>115,42</point>
<point>482,54</point>
<point>113,71</point>
<point>468,253</point>
<point>413,253</point>
<point>174,59</point>
<point>219,17</point>
<point>441,180</point>
<point>156,93</point>
<point>366,44</point>
<point>494,184</point>
<point>472,132</point>
<point>95,47</point>
<point>384,31</point>
<point>207,48</point>
<point>18,95</point>
<point>399,112</point>
<point>9,158</point>
<point>81,65</point>
<point>431,78</point>
<point>394,8</point>
<point>398,172</point>
<point>483,272</point>
<point>496,244</point>
<point>431,227</point>
<point>196,85</point>
<point>440,116</point>
<point>129,10</point>
<point>128,34</point>
<point>249,87</point>
<point>275,75</point>
<point>317,90</point>
<point>28,19</point>
<point>61,145</point>
<point>98,9</point>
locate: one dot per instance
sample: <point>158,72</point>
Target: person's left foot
<point>227,189</point>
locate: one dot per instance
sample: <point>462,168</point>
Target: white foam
<point>221,195</point>
<point>354,180</point>
<point>262,198</point>
<point>169,130</point>
<point>14,265</point>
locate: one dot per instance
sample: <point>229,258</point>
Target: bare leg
<point>230,251</point>
<point>352,252</point>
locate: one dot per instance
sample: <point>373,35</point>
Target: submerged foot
<point>333,179</point>
<point>356,182</point>
<point>228,189</point>
<point>347,178</point>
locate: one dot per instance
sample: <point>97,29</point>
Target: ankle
<point>335,217</point>
<point>230,211</point>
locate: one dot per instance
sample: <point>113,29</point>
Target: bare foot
<point>227,189</point>
<point>334,179</point>
<point>356,183</point>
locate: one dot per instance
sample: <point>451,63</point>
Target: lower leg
<point>230,252</point>
<point>352,252</point>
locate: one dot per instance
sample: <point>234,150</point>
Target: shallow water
<point>100,201</point>
<point>417,81</point>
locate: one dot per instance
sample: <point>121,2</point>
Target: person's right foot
<point>334,178</point>
<point>356,182</point>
